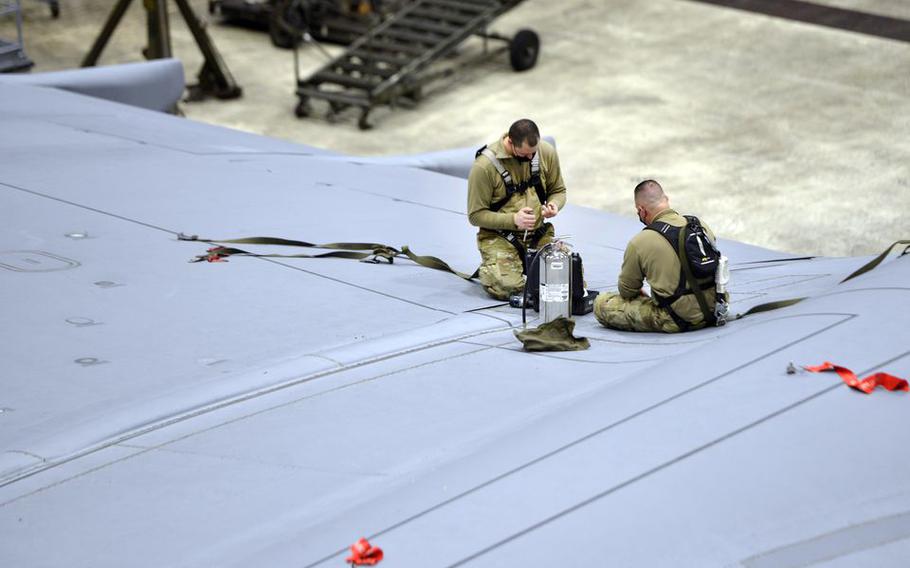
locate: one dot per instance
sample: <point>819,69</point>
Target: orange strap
<point>364,554</point>
<point>867,384</point>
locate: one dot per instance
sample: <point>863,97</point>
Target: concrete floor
<point>781,134</point>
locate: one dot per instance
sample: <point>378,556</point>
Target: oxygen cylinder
<point>722,276</point>
<point>721,279</point>
<point>555,282</point>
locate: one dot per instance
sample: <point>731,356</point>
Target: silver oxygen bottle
<point>556,281</point>
<point>721,279</point>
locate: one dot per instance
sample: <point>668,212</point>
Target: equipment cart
<point>334,21</point>
<point>390,64</point>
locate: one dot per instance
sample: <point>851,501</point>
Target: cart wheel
<point>364,123</point>
<point>523,50</point>
<point>55,9</point>
<point>303,109</point>
<point>212,7</point>
<point>415,94</point>
<point>286,23</point>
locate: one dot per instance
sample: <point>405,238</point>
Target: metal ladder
<point>383,67</point>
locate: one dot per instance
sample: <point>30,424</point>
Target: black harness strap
<point>519,245</point>
<point>680,322</point>
<point>695,286</point>
<point>688,284</point>
<point>512,188</point>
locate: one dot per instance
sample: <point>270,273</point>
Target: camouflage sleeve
<point>480,197</point>
<point>631,276</point>
<point>556,187</point>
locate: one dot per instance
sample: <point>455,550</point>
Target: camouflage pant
<point>501,268</point>
<point>638,314</point>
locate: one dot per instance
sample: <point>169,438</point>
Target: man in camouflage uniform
<point>519,216</point>
<point>649,256</point>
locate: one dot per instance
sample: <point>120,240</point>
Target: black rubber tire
<point>364,123</point>
<point>523,50</point>
<point>303,109</point>
<point>415,94</point>
<point>286,24</point>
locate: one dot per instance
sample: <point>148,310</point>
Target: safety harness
<point>511,187</point>
<point>521,245</point>
<point>688,283</point>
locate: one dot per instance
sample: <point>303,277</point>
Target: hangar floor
<point>776,132</point>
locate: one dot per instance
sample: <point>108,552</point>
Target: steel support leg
<point>159,30</point>
<point>214,77</point>
<point>91,59</point>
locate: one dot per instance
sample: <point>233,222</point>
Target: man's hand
<point>525,218</point>
<point>549,210</point>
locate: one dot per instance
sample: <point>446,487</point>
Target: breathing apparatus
<point>555,283</point>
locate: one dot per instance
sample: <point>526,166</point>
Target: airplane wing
<point>155,85</point>
<point>271,411</point>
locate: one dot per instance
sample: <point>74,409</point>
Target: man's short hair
<point>649,193</point>
<point>522,131</point>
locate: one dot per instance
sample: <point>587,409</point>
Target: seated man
<point>514,184</point>
<point>673,306</point>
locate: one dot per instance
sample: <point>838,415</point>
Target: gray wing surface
<point>156,85</point>
<point>271,411</point>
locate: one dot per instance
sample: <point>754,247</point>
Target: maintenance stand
<point>214,77</point>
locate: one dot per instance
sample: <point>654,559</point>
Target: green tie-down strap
<point>366,252</point>
<point>770,306</point>
<point>436,263</point>
<point>877,260</point>
<point>555,335</point>
<point>220,254</point>
<point>861,270</point>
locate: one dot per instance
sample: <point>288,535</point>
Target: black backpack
<point>698,259</point>
<point>700,253</point>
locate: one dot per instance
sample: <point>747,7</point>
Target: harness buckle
<point>382,253</point>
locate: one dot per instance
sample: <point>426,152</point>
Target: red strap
<point>215,254</point>
<point>364,554</point>
<point>867,384</point>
